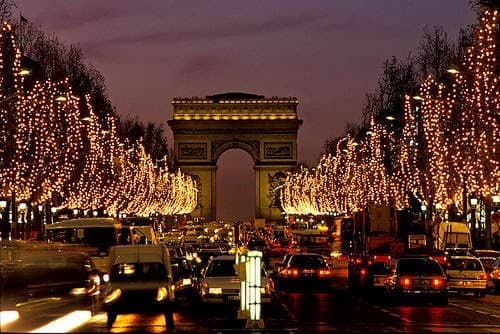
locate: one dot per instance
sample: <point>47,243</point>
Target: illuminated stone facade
<point>266,128</point>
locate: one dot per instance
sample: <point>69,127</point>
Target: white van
<point>140,281</point>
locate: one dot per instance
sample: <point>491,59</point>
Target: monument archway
<point>266,128</point>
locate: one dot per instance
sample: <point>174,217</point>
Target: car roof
<point>139,253</point>
<point>463,257</point>
<point>224,258</point>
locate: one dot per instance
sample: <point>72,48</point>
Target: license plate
<point>379,281</point>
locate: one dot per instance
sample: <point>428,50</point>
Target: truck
<point>373,250</point>
<point>454,237</point>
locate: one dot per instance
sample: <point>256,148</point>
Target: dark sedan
<point>417,277</point>
<point>185,280</point>
<point>305,268</point>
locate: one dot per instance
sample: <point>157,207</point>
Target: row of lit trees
<point>53,147</point>
<point>449,145</point>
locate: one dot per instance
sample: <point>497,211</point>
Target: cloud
<point>200,65</point>
<point>206,31</point>
<point>70,15</point>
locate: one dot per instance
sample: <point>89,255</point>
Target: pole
<point>14,212</point>
<point>488,209</point>
<point>473,225</point>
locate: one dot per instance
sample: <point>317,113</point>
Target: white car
<point>466,274</point>
<point>140,281</point>
<point>221,284</point>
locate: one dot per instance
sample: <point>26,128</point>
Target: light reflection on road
<point>6,317</point>
<point>66,323</point>
<point>126,322</point>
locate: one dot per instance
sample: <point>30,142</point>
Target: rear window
<point>307,261</point>
<point>221,268</point>
<point>134,272</point>
<point>379,268</point>
<point>419,266</point>
<point>465,264</point>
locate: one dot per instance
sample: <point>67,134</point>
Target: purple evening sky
<point>326,53</point>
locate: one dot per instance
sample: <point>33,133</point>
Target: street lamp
<point>473,204</point>
<point>3,221</point>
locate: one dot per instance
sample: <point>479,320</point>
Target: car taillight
<point>363,272</point>
<point>324,272</point>
<point>482,276</point>
<point>438,283</point>
<point>404,282</point>
<point>291,272</point>
<point>495,273</point>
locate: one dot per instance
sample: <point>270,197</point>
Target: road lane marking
<point>388,312</point>
<point>36,302</point>
<point>477,311</point>
<point>288,312</point>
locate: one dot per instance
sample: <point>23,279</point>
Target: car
<point>140,280</point>
<point>421,277</point>
<point>209,251</point>
<point>487,257</point>
<point>54,273</point>
<point>221,284</point>
<point>185,280</point>
<point>495,274</point>
<point>466,274</point>
<point>309,268</point>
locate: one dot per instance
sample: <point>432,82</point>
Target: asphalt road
<point>307,311</point>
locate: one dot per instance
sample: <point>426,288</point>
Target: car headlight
<point>78,291</point>
<point>113,296</point>
<point>105,278</point>
<point>186,281</point>
<point>162,294</point>
<point>96,279</point>
<point>262,291</point>
<point>215,291</point>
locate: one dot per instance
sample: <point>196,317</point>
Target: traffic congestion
<point>187,279</point>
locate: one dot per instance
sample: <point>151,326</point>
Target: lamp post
<point>473,203</point>
<point>423,208</point>
<point>53,211</point>
<point>22,208</point>
<point>4,222</point>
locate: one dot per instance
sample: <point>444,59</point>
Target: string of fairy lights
<point>52,146</point>
<point>449,146</point>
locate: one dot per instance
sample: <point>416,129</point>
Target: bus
<point>94,236</point>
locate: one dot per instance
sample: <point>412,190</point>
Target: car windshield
<point>133,272</point>
<point>419,266</point>
<point>221,268</point>
<point>180,268</point>
<point>98,237</point>
<point>465,264</point>
<point>256,243</point>
<point>309,261</point>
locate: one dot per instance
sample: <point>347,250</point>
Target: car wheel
<point>111,319</point>
<point>479,293</point>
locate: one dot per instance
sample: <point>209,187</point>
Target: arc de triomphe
<point>266,128</point>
